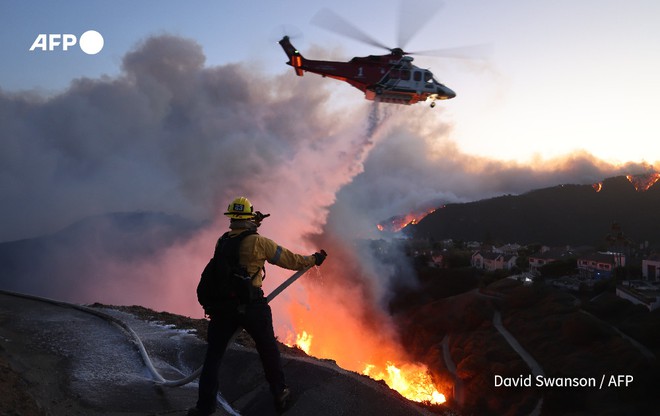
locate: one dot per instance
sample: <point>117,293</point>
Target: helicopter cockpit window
<point>428,77</point>
<point>417,76</point>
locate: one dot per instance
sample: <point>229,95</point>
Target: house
<point>508,249</point>
<point>493,261</point>
<point>547,256</point>
<point>538,260</point>
<point>473,245</point>
<point>477,260</point>
<point>600,265</point>
<point>651,268</point>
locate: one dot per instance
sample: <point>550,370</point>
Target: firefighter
<point>255,316</point>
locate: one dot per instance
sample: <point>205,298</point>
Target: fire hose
<point>159,379</point>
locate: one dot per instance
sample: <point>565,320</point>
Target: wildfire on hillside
<point>412,381</point>
<point>341,318</point>
<point>643,182</point>
<point>598,186</point>
<point>302,341</point>
<point>399,222</point>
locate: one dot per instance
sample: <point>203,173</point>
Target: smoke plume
<point>172,135</point>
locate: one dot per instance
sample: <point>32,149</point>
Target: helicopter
<point>390,78</point>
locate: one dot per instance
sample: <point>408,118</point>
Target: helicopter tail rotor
<point>278,32</point>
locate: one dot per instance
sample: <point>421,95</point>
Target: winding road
<point>535,367</point>
<point>529,360</point>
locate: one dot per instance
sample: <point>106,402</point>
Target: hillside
<point>565,214</point>
<point>93,367</point>
<point>567,339</point>
<point>444,314</point>
<point>74,259</point>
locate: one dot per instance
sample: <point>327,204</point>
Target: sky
<point>566,93</point>
<point>190,104</point>
<point>560,76</point>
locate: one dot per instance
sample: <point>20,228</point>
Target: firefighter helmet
<point>240,209</point>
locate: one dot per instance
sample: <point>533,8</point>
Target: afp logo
<point>90,42</point>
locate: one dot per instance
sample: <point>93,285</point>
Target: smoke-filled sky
<point>190,104</point>
<point>562,77</point>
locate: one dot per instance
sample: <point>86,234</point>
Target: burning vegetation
<point>342,318</point>
<point>399,222</point>
<point>643,182</point>
<point>412,381</point>
<point>301,341</point>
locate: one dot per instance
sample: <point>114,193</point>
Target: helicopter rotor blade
<point>413,16</point>
<point>329,20</point>
<point>481,51</point>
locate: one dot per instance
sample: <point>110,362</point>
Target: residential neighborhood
<point>582,268</point>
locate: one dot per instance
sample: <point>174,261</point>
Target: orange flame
<point>597,186</point>
<point>339,311</point>
<point>412,381</point>
<point>302,341</point>
<point>643,182</point>
<point>399,222</point>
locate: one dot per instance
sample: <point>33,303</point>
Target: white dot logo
<point>91,42</point>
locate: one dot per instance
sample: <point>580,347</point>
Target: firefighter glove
<point>319,256</point>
